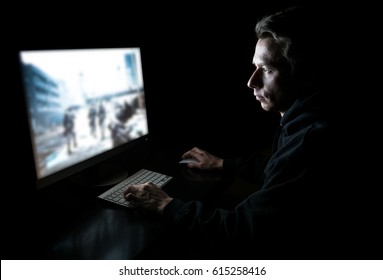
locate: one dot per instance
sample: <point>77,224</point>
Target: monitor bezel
<point>93,161</point>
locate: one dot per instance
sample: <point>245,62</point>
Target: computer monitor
<point>83,106</point>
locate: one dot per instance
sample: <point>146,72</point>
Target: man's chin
<point>265,106</point>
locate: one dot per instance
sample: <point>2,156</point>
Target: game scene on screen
<point>81,103</point>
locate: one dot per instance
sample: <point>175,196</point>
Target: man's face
<point>271,81</point>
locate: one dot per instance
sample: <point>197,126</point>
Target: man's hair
<point>299,33</point>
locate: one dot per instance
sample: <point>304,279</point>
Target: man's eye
<point>267,70</point>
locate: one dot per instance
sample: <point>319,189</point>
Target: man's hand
<point>147,196</point>
<point>206,161</point>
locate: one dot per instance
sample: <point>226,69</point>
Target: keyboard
<point>116,193</point>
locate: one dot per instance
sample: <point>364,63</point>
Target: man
<point>295,212</point>
<point>69,129</point>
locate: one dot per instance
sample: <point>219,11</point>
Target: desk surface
<point>73,223</point>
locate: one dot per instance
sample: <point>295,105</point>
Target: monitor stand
<point>100,175</point>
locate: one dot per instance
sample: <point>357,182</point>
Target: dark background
<point>197,60</point>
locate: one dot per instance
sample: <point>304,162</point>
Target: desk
<point>73,223</point>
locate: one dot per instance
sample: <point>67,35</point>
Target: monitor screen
<point>82,106</point>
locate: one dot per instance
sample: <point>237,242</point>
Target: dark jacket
<point>294,214</point>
